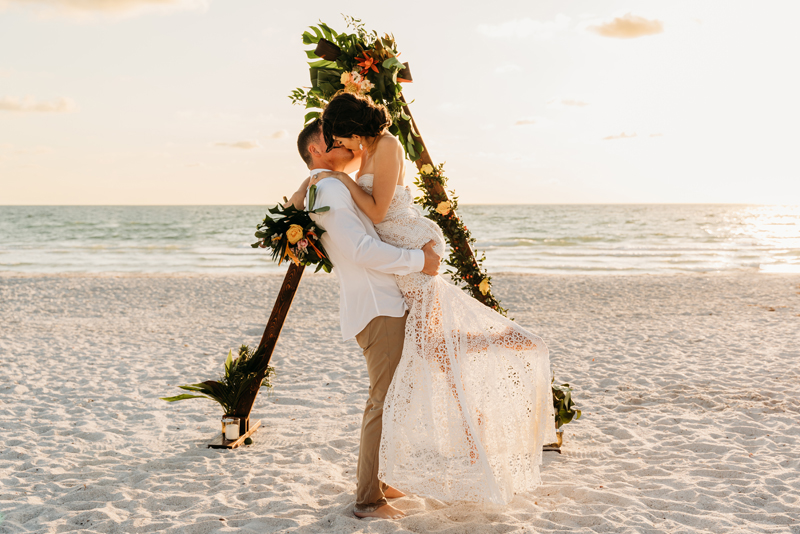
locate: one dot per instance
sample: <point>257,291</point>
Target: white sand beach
<point>690,386</point>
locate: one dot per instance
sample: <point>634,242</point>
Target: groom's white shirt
<point>364,264</point>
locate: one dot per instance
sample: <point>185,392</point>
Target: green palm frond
<point>238,375</point>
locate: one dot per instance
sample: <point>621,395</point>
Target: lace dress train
<point>470,404</point>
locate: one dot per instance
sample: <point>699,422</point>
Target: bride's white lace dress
<point>470,404</point>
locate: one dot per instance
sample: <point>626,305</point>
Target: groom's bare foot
<point>393,493</point>
<point>387,511</point>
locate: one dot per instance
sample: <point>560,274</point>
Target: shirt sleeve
<point>347,233</point>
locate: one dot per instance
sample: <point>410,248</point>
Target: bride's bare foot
<point>393,493</point>
<point>387,511</point>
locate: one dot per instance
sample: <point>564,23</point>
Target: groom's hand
<point>432,259</point>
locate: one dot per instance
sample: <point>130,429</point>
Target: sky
<point>601,101</point>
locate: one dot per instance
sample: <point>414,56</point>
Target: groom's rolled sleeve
<point>348,233</point>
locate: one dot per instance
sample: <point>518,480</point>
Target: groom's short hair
<point>306,137</point>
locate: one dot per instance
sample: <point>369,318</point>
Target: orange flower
<point>366,63</point>
<point>291,256</point>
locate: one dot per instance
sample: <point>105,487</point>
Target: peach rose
<point>443,208</point>
<point>294,233</point>
<point>484,286</point>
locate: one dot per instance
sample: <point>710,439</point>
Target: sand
<point>690,386</point>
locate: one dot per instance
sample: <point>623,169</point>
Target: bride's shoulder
<point>388,143</point>
<point>388,138</point>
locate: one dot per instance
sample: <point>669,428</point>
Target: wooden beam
<point>270,339</point>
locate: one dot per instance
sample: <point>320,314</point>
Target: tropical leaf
<point>393,63</point>
<point>322,64</point>
<point>228,362</point>
<point>312,196</point>
<point>310,39</point>
<point>238,376</point>
<point>183,396</point>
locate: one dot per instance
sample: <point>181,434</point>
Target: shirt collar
<point>314,172</point>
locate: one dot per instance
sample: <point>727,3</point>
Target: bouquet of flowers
<point>291,234</point>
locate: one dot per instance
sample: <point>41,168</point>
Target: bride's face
<point>350,143</point>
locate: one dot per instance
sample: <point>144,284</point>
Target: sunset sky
<point>185,102</point>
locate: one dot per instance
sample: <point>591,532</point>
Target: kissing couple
<point>459,401</point>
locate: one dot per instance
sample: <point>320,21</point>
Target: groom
<point>371,307</point>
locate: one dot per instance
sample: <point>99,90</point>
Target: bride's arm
<point>298,198</point>
<point>388,158</point>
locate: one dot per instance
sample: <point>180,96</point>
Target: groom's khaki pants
<point>382,342</point>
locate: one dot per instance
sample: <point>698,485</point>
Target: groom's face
<point>337,159</point>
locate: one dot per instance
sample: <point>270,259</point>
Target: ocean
<point>600,239</point>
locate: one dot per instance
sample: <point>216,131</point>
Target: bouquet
<point>291,234</point>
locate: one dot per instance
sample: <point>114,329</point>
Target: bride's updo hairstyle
<point>347,115</point>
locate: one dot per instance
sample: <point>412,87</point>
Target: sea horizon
<point>622,238</point>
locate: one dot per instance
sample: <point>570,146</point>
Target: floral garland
<point>467,269</point>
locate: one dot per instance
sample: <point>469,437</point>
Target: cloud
<point>623,135</point>
<point>525,122</point>
<point>103,6</point>
<point>522,28</point>
<point>571,102</point>
<point>657,135</point>
<point>31,105</point>
<point>280,134</point>
<point>628,27</point>
<point>244,145</point>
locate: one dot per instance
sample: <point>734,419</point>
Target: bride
<point>470,404</point>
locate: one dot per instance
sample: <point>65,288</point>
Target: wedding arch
<point>359,62</point>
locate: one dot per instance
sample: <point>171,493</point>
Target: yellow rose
<point>443,208</point>
<point>346,78</point>
<point>294,233</point>
<point>484,286</point>
<point>427,169</point>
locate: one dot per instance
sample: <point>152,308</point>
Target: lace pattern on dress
<point>470,404</point>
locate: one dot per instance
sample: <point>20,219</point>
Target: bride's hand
<point>342,177</point>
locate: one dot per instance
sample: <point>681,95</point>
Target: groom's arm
<point>347,232</point>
